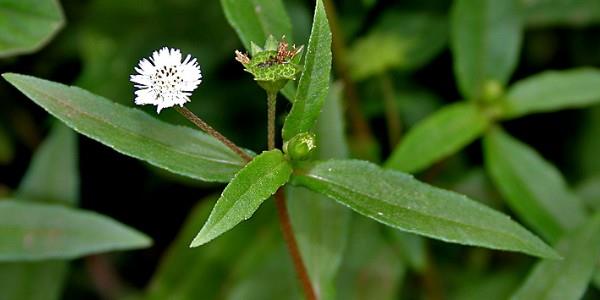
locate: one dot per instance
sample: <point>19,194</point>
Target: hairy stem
<point>188,114</point>
<point>282,211</point>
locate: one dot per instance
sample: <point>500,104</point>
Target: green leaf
<point>560,12</point>
<point>411,248</point>
<point>252,185</point>
<point>589,192</point>
<point>532,187</point>
<point>371,269</point>
<point>132,132</point>
<point>398,200</point>
<point>440,135</point>
<point>566,279</point>
<point>553,90</point>
<point>485,41</point>
<point>53,175</point>
<point>314,82</point>
<point>27,25</point>
<point>31,231</point>
<point>255,20</point>
<point>320,225</point>
<point>403,41</point>
<point>210,266</point>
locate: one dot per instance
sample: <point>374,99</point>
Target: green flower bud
<point>273,66</point>
<point>492,91</point>
<point>301,146</point>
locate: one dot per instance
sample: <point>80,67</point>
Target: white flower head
<point>165,80</point>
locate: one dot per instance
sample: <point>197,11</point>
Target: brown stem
<point>360,126</point>
<point>104,277</point>
<point>284,217</point>
<point>292,245</point>
<point>394,126</point>
<point>188,114</point>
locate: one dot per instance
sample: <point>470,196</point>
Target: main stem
<point>211,131</point>
<point>282,211</point>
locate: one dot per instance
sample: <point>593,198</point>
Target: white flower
<point>165,80</point>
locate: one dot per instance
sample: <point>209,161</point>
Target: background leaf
<point>7,150</point>
<point>133,132</point>
<point>27,25</point>
<point>404,41</point>
<point>566,279</point>
<point>56,160</point>
<point>531,186</point>
<point>31,231</point>
<point>441,134</point>
<point>400,201</point>
<point>562,12</point>
<point>320,225</point>
<point>314,81</point>
<point>255,20</point>
<point>485,41</point>
<point>553,90</point>
<point>252,185</point>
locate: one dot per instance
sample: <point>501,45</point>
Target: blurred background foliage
<point>399,61</point>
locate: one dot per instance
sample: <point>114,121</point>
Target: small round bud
<point>492,91</point>
<point>301,146</point>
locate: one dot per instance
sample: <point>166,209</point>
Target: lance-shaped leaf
<point>566,279</point>
<point>532,187</point>
<point>179,149</point>
<point>440,135</point>
<point>52,177</point>
<point>320,225</point>
<point>314,82</point>
<point>485,41</point>
<point>398,200</point>
<point>255,20</point>
<point>553,90</point>
<point>252,185</point>
<point>27,25</point>
<point>30,231</point>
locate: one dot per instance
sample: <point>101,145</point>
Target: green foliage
<point>532,187</point>
<point>403,41</point>
<point>321,225</point>
<point>553,90</point>
<point>398,200</point>
<point>485,41</point>
<point>133,132</point>
<point>314,82</point>
<point>443,133</point>
<point>27,25</point>
<point>252,185</point>
<point>32,231</point>
<point>7,151</point>
<point>566,279</point>
<point>562,12</point>
<point>255,20</point>
<point>56,159</point>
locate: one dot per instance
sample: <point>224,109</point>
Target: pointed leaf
<point>53,175</point>
<point>566,279</point>
<point>485,41</point>
<point>398,200</point>
<point>440,135</point>
<point>255,20</point>
<point>132,132</point>
<point>27,25</point>
<point>30,231</point>
<point>531,186</point>
<point>252,185</point>
<point>314,82</point>
<point>553,90</point>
